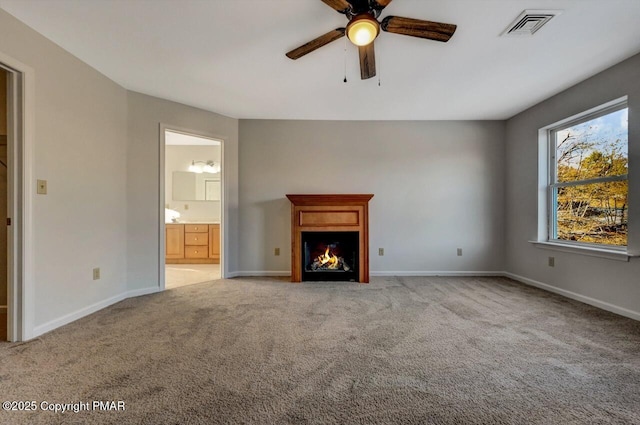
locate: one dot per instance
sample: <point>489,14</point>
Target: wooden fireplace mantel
<point>330,213</point>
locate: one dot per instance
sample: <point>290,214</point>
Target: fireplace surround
<point>330,237</point>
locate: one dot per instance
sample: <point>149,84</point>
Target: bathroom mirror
<point>189,186</point>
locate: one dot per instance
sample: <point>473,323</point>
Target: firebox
<point>339,222</point>
<point>330,256</point>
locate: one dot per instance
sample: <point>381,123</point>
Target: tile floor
<point>177,275</point>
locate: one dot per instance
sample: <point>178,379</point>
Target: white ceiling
<point>228,56</point>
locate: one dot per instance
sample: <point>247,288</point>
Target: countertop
<point>195,222</point>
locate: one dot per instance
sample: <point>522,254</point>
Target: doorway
<point>16,213</point>
<point>4,273</point>
<point>191,208</point>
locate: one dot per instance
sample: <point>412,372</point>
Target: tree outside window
<point>588,183</point>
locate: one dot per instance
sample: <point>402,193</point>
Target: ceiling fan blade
<point>316,43</point>
<point>367,61</point>
<point>418,28</point>
<point>380,4</point>
<point>340,5</point>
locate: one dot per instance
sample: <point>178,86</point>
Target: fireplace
<point>330,237</point>
<point>329,256</point>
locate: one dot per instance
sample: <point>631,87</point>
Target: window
<point>587,178</point>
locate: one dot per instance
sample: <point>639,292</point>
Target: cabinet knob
<point>196,252</point>
<point>196,239</point>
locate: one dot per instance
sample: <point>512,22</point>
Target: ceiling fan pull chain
<point>345,59</point>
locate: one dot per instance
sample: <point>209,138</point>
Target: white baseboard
<point>435,273</point>
<point>260,273</point>
<point>71,317</point>
<point>68,318</point>
<point>575,296</point>
<point>143,291</point>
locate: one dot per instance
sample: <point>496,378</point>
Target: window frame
<point>548,186</point>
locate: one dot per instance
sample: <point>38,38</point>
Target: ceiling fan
<point>364,27</point>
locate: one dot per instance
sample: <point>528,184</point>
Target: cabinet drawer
<point>196,252</point>
<point>196,228</point>
<point>196,239</point>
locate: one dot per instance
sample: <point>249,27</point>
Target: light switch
<point>42,187</point>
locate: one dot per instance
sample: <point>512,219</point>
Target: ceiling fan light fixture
<point>363,29</point>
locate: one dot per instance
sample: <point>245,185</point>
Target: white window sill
<point>611,254</point>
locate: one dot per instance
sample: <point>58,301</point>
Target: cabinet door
<point>214,241</point>
<point>174,241</point>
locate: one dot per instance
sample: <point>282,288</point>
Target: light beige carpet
<point>399,350</point>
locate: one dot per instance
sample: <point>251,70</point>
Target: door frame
<point>161,197</point>
<point>20,184</point>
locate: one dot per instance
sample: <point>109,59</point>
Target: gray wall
<point>608,281</point>
<point>80,148</point>
<point>437,185</point>
<point>97,145</point>
<point>146,113</point>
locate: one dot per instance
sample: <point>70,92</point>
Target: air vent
<point>530,21</point>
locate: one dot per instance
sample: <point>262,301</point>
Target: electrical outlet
<point>276,251</point>
<point>186,206</point>
<point>96,273</point>
<point>552,261</point>
<point>381,251</point>
<point>42,187</point>
<point>459,252</point>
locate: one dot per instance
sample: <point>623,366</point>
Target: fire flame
<point>329,260</point>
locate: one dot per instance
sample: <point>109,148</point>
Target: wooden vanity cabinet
<point>192,243</point>
<point>196,241</point>
<point>174,241</point>
<point>214,243</point>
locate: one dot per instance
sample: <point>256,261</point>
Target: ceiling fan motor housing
<point>363,29</point>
